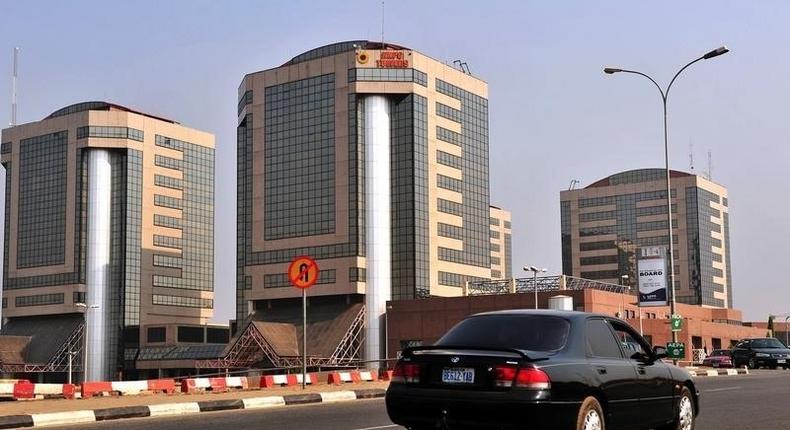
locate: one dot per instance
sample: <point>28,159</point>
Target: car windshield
<point>766,343</point>
<point>527,332</point>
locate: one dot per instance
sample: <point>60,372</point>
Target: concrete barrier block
<point>174,409</point>
<point>263,402</point>
<point>63,418</point>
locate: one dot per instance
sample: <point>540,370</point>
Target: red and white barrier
<point>268,381</point>
<point>24,389</point>
<point>339,378</point>
<point>215,385</point>
<point>167,386</point>
<point>101,388</point>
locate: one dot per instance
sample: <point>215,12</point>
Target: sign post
<point>677,322</point>
<point>676,350</point>
<point>303,274</point>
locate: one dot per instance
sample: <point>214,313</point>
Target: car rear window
<point>527,332</point>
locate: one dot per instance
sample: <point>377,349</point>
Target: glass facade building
<point>155,257</point>
<point>308,134</point>
<point>604,224</point>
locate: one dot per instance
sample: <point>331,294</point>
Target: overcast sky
<point>554,116</point>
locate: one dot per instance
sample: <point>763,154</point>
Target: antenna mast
<point>691,157</point>
<point>13,86</point>
<point>710,166</point>
<point>382,24</point>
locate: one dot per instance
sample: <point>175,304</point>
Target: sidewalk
<point>62,405</point>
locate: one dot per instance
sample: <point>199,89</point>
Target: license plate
<point>464,375</point>
<point>781,361</point>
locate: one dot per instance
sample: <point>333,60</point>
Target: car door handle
<point>601,370</point>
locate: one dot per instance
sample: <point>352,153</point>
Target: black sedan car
<point>540,370</point>
<point>761,352</point>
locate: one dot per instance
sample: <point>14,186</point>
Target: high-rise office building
<point>371,158</point>
<point>604,223</point>
<point>501,244</point>
<point>109,224</point>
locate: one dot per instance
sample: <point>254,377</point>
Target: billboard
<point>652,276</point>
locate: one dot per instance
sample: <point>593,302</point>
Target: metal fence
<point>542,283</point>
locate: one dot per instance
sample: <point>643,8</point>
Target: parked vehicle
<point>718,358</point>
<point>761,352</point>
<point>541,370</point>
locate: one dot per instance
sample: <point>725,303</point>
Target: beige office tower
<point>373,159</point>
<point>109,219</point>
<point>501,244</point>
<point>605,223</point>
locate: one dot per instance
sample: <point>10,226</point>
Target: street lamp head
<point>624,276</point>
<point>611,70</point>
<point>716,52</point>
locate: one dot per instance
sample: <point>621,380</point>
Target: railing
<point>542,283</point>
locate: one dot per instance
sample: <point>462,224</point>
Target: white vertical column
<point>97,263</point>
<point>377,221</point>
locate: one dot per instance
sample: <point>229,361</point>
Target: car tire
<point>685,418</point>
<point>751,364</point>
<point>591,415</point>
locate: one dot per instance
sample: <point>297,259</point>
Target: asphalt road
<point>757,401</point>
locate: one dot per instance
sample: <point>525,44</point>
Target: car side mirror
<point>659,352</point>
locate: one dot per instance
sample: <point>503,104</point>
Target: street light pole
<point>534,271</point>
<point>787,333</point>
<point>664,94</point>
<point>85,343</point>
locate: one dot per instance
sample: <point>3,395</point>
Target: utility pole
<point>14,78</point>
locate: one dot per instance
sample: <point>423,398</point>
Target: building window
<point>449,207</point>
<point>168,202</point>
<point>217,335</point>
<point>449,183</point>
<point>357,274</point>
<point>495,261</point>
<point>448,136</point>
<point>168,182</point>
<point>183,302</point>
<point>156,334</point>
<point>388,75</point>
<point>39,300</point>
<point>451,231</point>
<point>450,160</point>
<point>5,148</point>
<point>167,221</point>
<point>448,112</point>
<point>493,234</point>
<point>168,261</point>
<point>299,132</point>
<point>110,133</point>
<point>189,334</point>
<point>508,225</point>
<point>601,259</point>
<point>168,162</point>
<point>167,241</point>
<point>245,100</point>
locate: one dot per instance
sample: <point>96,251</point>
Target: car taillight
<point>408,373</point>
<point>526,377</point>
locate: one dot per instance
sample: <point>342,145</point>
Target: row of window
<point>449,207</point>
<point>448,112</point>
<point>183,302</point>
<point>637,197</point>
<point>245,100</point>
<point>448,159</point>
<point>168,162</point>
<point>167,241</point>
<point>451,231</point>
<point>168,202</point>
<point>167,261</point>
<point>387,75</point>
<point>449,183</point>
<point>168,182</point>
<point>450,279</point>
<point>167,221</point>
<point>448,136</point>
<point>39,300</point>
<point>110,132</point>
<point>601,259</point>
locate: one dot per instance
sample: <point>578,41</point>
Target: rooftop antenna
<point>574,183</point>
<point>382,24</point>
<point>691,157</point>
<point>465,68</point>
<point>13,86</point>
<point>710,165</point>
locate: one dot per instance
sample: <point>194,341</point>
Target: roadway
<point>756,401</point>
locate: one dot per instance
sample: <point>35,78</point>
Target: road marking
<point>721,389</point>
<point>379,427</point>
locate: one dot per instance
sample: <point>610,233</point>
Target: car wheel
<point>752,364</point>
<point>685,418</point>
<point>590,415</point>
